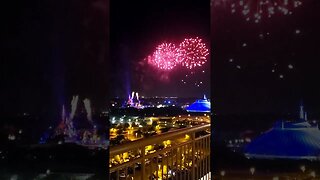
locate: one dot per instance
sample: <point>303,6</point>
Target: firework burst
<point>193,53</point>
<point>165,57</point>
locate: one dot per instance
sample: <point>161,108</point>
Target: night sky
<point>52,50</point>
<point>266,67</point>
<point>137,27</point>
<point>55,49</point>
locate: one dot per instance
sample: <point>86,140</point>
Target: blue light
<point>289,140</point>
<point>201,105</point>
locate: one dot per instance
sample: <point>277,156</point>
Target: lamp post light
<point>222,173</point>
<point>313,174</point>
<point>252,170</point>
<point>303,168</point>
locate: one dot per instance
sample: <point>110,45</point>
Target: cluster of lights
<point>255,10</point>
<point>166,56</point>
<point>190,53</point>
<point>194,52</point>
<point>189,76</point>
<point>281,76</point>
<point>273,70</point>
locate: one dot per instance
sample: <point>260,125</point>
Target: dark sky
<point>272,44</point>
<point>137,27</point>
<point>55,49</point>
<point>52,50</point>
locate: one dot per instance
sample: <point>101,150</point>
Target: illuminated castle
<point>132,101</point>
<point>200,105</point>
<point>67,123</point>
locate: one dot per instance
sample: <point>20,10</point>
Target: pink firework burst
<point>165,57</point>
<point>193,52</point>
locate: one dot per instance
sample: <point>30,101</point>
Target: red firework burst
<point>165,57</point>
<point>193,52</point>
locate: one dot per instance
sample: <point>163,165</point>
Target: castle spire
<point>301,111</point>
<point>305,116</point>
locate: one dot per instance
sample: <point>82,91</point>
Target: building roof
<point>200,105</point>
<point>288,140</point>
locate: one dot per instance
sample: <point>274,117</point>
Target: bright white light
<point>313,174</point>
<point>252,170</point>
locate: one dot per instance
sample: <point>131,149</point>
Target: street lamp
<point>313,174</point>
<point>222,173</point>
<point>252,170</point>
<point>303,168</point>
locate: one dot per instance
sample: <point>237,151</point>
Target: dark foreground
<point>230,165</point>
<point>65,161</point>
